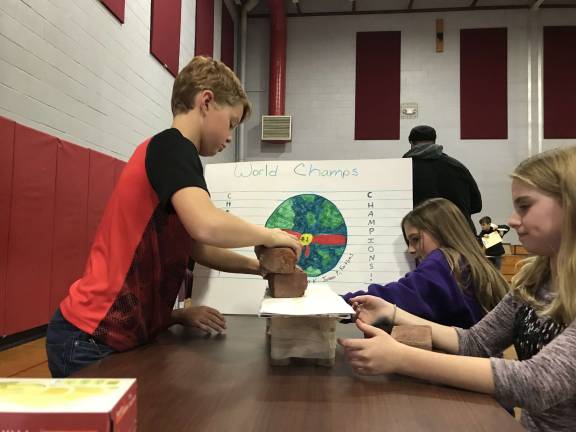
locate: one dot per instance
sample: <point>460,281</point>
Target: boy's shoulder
<point>170,134</point>
<point>172,162</point>
<point>171,143</point>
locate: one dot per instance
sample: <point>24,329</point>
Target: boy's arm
<point>503,229</point>
<point>224,260</point>
<point>209,225</point>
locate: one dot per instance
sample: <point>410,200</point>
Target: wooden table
<point>190,382</point>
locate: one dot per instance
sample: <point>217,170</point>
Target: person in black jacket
<point>435,174</point>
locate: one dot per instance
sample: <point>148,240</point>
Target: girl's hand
<point>370,308</point>
<point>380,354</point>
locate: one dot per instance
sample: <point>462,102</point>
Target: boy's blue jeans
<point>69,349</point>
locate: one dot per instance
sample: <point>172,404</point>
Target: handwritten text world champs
<point>301,169</point>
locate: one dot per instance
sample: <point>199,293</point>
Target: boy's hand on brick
<point>279,238</point>
<point>202,317</point>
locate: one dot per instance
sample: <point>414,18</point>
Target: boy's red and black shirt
<point>139,255</point>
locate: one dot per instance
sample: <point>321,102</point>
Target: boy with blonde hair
<point>159,214</point>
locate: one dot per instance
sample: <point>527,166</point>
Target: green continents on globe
<point>319,225</point>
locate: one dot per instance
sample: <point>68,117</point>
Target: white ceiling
<point>295,7</point>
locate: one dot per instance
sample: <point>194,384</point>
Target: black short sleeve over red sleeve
<point>173,163</point>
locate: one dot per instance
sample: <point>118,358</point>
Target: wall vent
<point>276,128</point>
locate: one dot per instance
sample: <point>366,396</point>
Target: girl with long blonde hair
<point>538,316</point>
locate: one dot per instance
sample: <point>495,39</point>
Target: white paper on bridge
<point>318,300</point>
<point>351,233</point>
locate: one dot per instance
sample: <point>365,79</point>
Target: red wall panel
<point>559,65</point>
<point>227,42</point>
<point>117,8</point>
<point>165,33</point>
<point>484,83</point>
<point>118,167</point>
<point>31,230</point>
<point>377,113</point>
<point>204,42</point>
<point>6,163</point>
<point>100,186</point>
<point>52,195</point>
<point>70,219</point>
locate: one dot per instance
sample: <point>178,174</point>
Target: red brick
<point>288,285</point>
<point>276,260</point>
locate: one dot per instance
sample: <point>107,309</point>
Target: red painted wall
<point>165,33</point>
<point>7,128</point>
<point>204,42</point>
<point>227,42</point>
<point>484,83</point>
<point>117,8</point>
<point>70,218</point>
<point>30,237</point>
<point>559,65</point>
<point>377,86</point>
<point>52,195</point>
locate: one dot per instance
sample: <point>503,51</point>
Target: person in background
<point>160,214</point>
<point>493,253</point>
<point>437,175</point>
<point>453,283</point>
<point>538,316</point>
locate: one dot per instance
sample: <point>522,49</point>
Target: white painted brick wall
<point>320,89</point>
<point>70,69</point>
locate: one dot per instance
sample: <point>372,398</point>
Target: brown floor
<point>27,360</point>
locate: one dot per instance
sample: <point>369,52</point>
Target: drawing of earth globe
<point>319,225</point>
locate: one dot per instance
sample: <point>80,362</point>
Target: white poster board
<point>348,214</point>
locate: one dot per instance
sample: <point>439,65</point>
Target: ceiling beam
<point>473,4</point>
<point>401,11</point>
<point>418,10</point>
<point>410,4</point>
<point>557,6</point>
<point>353,5</point>
<point>536,4</point>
